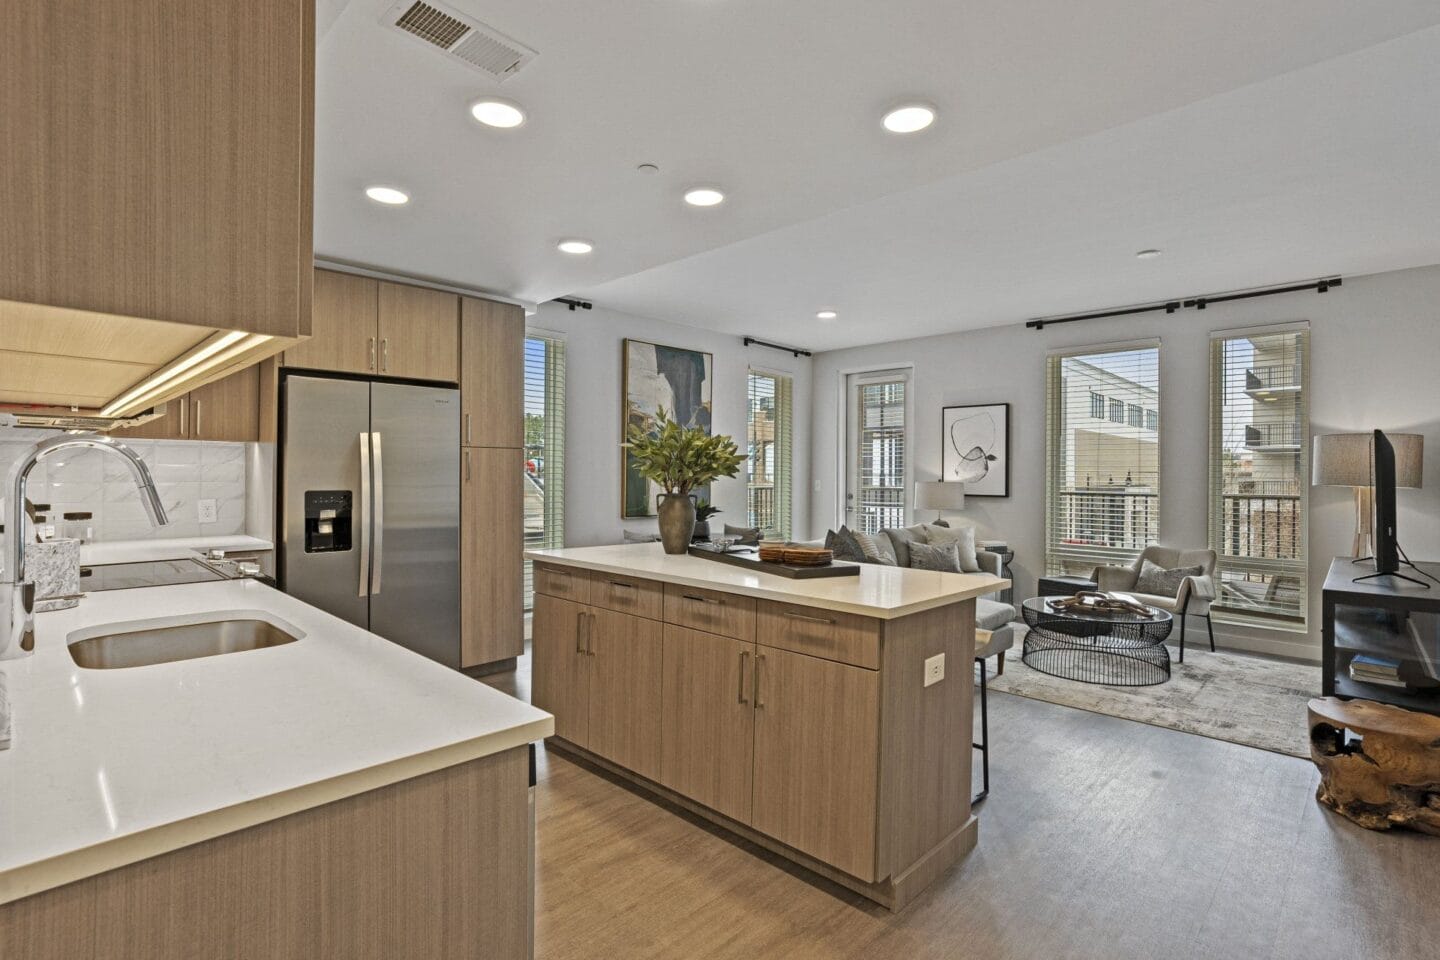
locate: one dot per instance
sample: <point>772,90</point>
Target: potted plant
<point>679,459</point>
<point>704,510</point>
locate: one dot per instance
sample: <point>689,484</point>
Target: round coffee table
<point>1121,649</point>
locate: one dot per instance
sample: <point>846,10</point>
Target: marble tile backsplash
<point>185,472</point>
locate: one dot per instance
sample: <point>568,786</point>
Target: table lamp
<point>1347,460</point>
<point>939,495</point>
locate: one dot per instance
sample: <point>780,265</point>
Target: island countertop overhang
<point>885,593</point>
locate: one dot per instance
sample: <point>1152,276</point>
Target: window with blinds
<point>1259,473</point>
<point>768,469</point>
<point>544,484</point>
<point>1102,434</point>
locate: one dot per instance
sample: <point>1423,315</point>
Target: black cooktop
<point>147,573</point>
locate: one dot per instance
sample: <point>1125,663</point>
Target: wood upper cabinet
<point>816,744</point>
<point>419,333</point>
<point>343,327</point>
<point>227,409</point>
<point>158,160</point>
<point>708,720</point>
<point>625,653</point>
<point>560,671</point>
<point>491,567</point>
<point>492,368</point>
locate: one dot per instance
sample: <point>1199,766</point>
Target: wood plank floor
<point>1102,838</point>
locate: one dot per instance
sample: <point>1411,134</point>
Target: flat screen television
<point>1387,550</point>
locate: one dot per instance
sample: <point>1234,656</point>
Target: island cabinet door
<point>625,689</point>
<point>817,726</point>
<point>707,748</point>
<point>560,666</point>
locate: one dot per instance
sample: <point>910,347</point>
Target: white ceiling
<point>1253,143</point>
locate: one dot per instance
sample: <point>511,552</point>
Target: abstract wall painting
<point>975,448</point>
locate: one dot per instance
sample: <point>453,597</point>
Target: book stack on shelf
<point>1368,669</point>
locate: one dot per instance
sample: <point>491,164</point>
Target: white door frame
<point>842,439</point>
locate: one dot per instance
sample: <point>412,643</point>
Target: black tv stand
<point>1388,617</point>
<point>1405,559</point>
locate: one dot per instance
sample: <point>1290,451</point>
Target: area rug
<point>1226,696</point>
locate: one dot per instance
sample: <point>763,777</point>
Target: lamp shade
<point>1347,459</point>
<point>939,495</point>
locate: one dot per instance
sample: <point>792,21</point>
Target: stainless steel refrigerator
<point>370,507</point>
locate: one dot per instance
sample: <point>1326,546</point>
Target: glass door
<point>877,465</point>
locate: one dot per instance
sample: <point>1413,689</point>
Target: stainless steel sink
<point>139,648</point>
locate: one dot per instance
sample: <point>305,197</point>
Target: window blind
<point>1259,474</point>
<point>544,483</point>
<point>769,463</point>
<point>1102,490</point>
<point>880,468</point>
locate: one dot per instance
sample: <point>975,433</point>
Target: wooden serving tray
<point>752,561</point>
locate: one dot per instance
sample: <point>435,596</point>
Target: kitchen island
<point>331,796</point>
<point>826,720</point>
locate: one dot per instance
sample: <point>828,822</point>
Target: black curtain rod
<point>776,346</point>
<point>1198,303</point>
<point>574,304</point>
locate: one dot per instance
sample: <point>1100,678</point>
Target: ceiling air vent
<point>467,40</point>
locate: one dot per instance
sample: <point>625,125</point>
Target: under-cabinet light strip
<point>215,351</point>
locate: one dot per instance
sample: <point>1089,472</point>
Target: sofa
<point>990,612</point>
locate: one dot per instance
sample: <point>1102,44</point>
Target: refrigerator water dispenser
<point>327,520</point>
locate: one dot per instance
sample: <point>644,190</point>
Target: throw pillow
<point>1157,581</point>
<point>962,537</point>
<point>867,545</point>
<point>843,545</point>
<point>944,557</point>
<point>901,539</point>
<point>749,536</point>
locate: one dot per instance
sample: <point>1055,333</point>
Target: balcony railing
<point>1272,378</point>
<point>1249,486</point>
<point>1270,436</point>
<point>1261,527</point>
<point>762,505</point>
<point>1102,526</point>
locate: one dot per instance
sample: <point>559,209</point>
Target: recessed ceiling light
<point>387,195</point>
<point>1148,254</point>
<point>826,315</point>
<point>704,197</point>
<point>497,113</point>
<point>909,118</point>
<point>576,247</point>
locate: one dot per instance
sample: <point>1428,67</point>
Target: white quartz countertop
<point>883,592</point>
<point>174,548</point>
<point>108,767</point>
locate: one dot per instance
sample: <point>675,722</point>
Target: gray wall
<point>1375,345</point>
<point>592,415</point>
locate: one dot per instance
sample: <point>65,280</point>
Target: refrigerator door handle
<point>379,514</point>
<point>364,515</point>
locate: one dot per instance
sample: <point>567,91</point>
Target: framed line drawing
<point>975,448</point>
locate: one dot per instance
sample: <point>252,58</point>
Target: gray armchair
<point>1193,596</point>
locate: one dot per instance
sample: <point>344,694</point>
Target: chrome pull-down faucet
<point>14,566</point>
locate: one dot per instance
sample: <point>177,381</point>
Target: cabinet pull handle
<point>590,635</point>
<point>184,402</point>
<point>580,632</point>
<point>467,466</point>
<point>740,697</point>
<point>621,583</point>
<point>698,599</point>
<point>467,428</point>
<point>370,365</point>
<point>197,419</point>
<point>801,616</point>
<point>384,354</point>
<point>759,659</point>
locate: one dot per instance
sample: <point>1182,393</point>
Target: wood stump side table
<point>1390,776</point>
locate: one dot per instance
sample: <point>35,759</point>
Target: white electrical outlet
<point>207,511</point>
<point>934,669</point>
